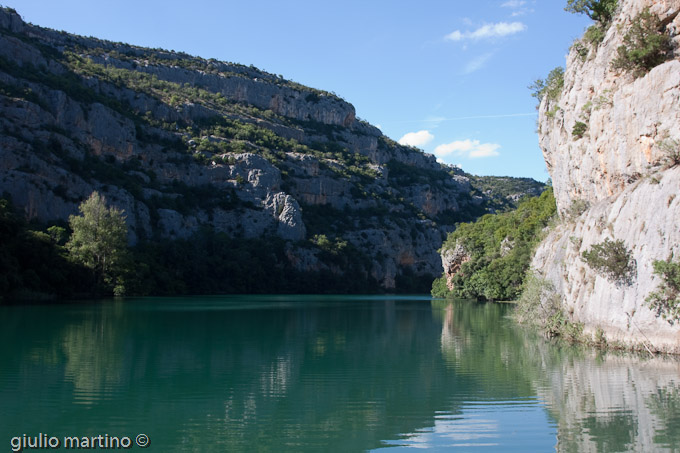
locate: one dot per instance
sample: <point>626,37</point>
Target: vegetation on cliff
<point>36,262</point>
<point>665,301</point>
<point>645,45</point>
<point>499,247</point>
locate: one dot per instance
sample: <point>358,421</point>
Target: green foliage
<point>580,49</point>
<point>598,10</point>
<point>58,234</point>
<point>214,263</point>
<point>645,45</point>
<point>671,152</point>
<point>551,87</point>
<point>99,242</point>
<point>612,260</point>
<point>579,130</point>
<point>495,272</point>
<point>334,247</point>
<point>666,299</point>
<point>32,264</point>
<point>540,306</point>
<point>594,34</point>
<point>553,112</point>
<point>577,207</point>
<point>439,288</point>
<point>538,301</point>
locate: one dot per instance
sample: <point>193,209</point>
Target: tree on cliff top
<point>99,242</point>
<point>598,10</point>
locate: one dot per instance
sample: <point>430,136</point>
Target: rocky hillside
<point>182,144</point>
<point>610,133</point>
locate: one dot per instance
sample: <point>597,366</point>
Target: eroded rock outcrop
<point>617,170</point>
<point>452,260</point>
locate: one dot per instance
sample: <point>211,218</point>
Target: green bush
<point>671,152</point>
<point>594,35</point>
<point>551,87</point>
<point>666,299</point>
<point>612,260</point>
<point>579,130</point>
<point>644,45</point>
<point>538,303</point>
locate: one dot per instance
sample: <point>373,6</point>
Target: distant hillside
<point>191,148</point>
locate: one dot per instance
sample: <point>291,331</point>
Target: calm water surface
<point>306,373</point>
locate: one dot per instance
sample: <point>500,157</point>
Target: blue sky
<point>450,76</point>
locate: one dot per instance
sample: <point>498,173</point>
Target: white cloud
<point>468,148</point>
<point>419,138</point>
<point>488,31</point>
<point>513,4</point>
<point>476,63</point>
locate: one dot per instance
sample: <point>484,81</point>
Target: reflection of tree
<point>478,340</point>
<point>610,432</point>
<point>93,354</point>
<point>665,404</point>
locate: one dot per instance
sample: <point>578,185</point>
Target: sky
<point>447,76</point>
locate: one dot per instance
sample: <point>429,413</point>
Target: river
<point>320,373</point>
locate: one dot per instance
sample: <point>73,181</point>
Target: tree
<point>99,242</point>
<point>600,11</point>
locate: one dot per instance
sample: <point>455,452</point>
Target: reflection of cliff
<point>615,403</point>
<point>601,402</point>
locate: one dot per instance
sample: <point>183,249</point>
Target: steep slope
<point>183,144</point>
<point>609,139</point>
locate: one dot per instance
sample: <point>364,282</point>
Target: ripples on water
<point>286,373</point>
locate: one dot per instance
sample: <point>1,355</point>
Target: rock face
<point>618,171</point>
<point>181,144</point>
<point>452,260</point>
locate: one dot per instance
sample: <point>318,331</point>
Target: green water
<point>306,373</point>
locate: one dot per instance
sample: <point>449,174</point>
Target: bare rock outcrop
<point>452,260</point>
<point>617,169</point>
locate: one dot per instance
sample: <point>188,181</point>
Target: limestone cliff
<point>182,143</point>
<point>606,139</point>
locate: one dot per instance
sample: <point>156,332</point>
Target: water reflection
<point>615,402</point>
<point>323,374</point>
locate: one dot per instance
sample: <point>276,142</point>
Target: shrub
<point>594,35</point>
<point>671,152</point>
<point>578,207</point>
<point>612,260</point>
<point>538,302</point>
<point>644,45</point>
<point>666,299</point>
<point>579,130</point>
<point>580,49</point>
<point>551,87</point>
